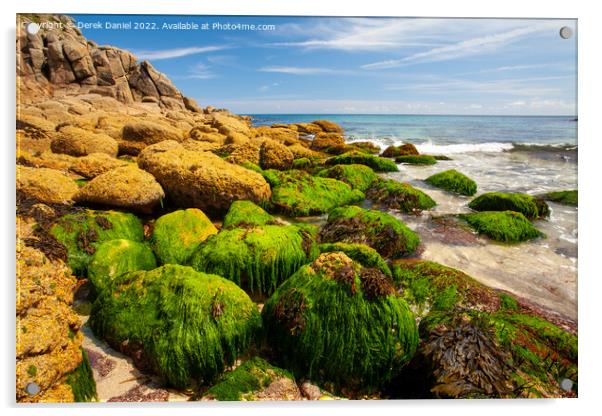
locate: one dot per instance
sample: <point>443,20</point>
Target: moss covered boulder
<point>416,159</point>
<point>82,232</point>
<point>407,149</point>
<point>365,146</point>
<point>503,226</point>
<point>339,322</point>
<point>178,234</point>
<point>397,195</point>
<point>246,213</point>
<point>183,325</point>
<point>361,253</point>
<point>255,379</point>
<point>527,205</point>
<point>562,197</point>
<point>357,176</point>
<point>379,164</point>
<point>453,181</point>
<point>115,257</point>
<point>297,193</point>
<point>389,236</point>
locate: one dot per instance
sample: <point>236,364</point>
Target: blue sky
<point>361,65</point>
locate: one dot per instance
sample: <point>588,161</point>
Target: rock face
<point>56,61</point>
<point>201,179</point>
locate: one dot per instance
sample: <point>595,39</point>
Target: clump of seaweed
<point>527,205</point>
<point>453,181</point>
<point>416,159</point>
<point>503,226</point>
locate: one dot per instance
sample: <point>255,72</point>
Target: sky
<point>328,65</point>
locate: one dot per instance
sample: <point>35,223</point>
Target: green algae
<point>453,181</point>
<point>563,197</point>
<point>297,193</point>
<point>257,258</point>
<point>81,381</point>
<point>357,176</point>
<point>383,232</point>
<point>302,163</point>
<point>250,377</point>
<point>338,322</point>
<point>378,164</point>
<point>402,196</point>
<point>82,232</point>
<point>178,234</point>
<point>243,213</point>
<point>503,226</point>
<point>184,325</point>
<point>115,257</point>
<point>416,159</point>
<point>527,205</point>
<point>361,253</point>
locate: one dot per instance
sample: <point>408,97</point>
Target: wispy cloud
<point>200,71</point>
<point>267,87</point>
<point>469,47</point>
<point>296,70</point>
<point>155,55</point>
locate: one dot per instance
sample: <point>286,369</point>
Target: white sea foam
<point>442,149</point>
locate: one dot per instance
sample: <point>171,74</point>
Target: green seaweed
<point>503,226</point>
<point>402,196</point>
<point>302,163</point>
<point>184,325</point>
<point>338,322</point>
<point>115,257</point>
<point>527,205</point>
<point>243,213</point>
<point>178,234</point>
<point>453,181</point>
<point>363,254</point>
<point>379,164</point>
<point>416,159</point>
<point>81,381</point>
<point>563,197</point>
<point>82,232</point>
<point>357,176</point>
<point>383,232</point>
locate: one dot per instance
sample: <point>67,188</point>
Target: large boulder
<point>183,325</point>
<point>379,164</point>
<point>328,126</point>
<point>127,187</point>
<point>453,181</point>
<point>527,205</point>
<point>75,141</point>
<point>201,179</point>
<point>46,185</point>
<point>329,142</point>
<point>359,177</point>
<point>149,132</point>
<point>95,164</point>
<point>504,226</point>
<point>273,155</point>
<point>392,194</point>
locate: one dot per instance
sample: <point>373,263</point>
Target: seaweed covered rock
<point>397,195</point>
<point>361,253</point>
<point>297,193</point>
<point>357,176</point>
<point>127,187</point>
<point>255,379</point>
<point>316,322</point>
<point>74,141</point>
<point>178,234</point>
<point>365,146</point>
<point>379,164</point>
<point>407,149</point>
<point>416,159</point>
<point>254,256</point>
<point>201,179</point>
<point>115,257</point>
<point>82,232</point>
<point>49,186</point>
<point>274,155</point>
<point>246,213</point>
<point>562,197</point>
<point>389,236</point>
<point>184,325</point>
<point>504,226</point>
<point>453,181</point>
<point>527,205</point>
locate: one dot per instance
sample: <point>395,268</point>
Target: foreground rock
<point>397,195</point>
<point>453,181</point>
<point>74,141</point>
<point>527,205</point>
<point>562,197</point>
<point>359,177</point>
<point>341,349</point>
<point>46,185</point>
<point>127,187</point>
<point>95,164</point>
<point>504,226</point>
<point>201,179</point>
<point>188,340</point>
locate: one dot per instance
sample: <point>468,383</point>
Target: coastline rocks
<point>74,141</point>
<point>115,257</point>
<point>386,234</point>
<point>185,339</point>
<point>282,135</point>
<point>296,193</point>
<point>504,226</point>
<point>201,179</point>
<point>402,196</point>
<point>416,159</point>
<point>94,164</point>
<point>239,154</point>
<point>46,185</point>
<point>328,126</point>
<point>453,181</point>
<point>316,322</point>
<point>149,132</point>
<point>177,235</point>
<point>562,197</point>
<point>127,187</point>
<point>329,142</point>
<point>300,151</point>
<point>407,149</point>
<point>361,253</point>
<point>367,147</point>
<point>377,163</point>
<point>256,255</point>
<point>273,155</point>
<point>359,177</point>
<point>82,232</point>
<point>527,205</point>
<point>227,124</point>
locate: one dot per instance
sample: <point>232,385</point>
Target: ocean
<point>501,153</point>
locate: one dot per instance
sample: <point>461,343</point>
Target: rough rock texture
<point>95,164</point>
<point>201,179</point>
<point>150,132</point>
<point>126,187</point>
<point>79,142</point>
<point>46,185</point>
<point>274,155</point>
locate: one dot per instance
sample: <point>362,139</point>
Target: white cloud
<point>295,70</point>
<point>200,71</point>
<point>175,53</point>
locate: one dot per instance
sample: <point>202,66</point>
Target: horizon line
<point>408,114</point>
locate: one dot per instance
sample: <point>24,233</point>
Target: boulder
<point>359,177</point>
<point>273,155</point>
<point>126,187</point>
<point>329,142</point>
<point>407,149</point>
<point>191,104</point>
<point>453,181</point>
<point>504,226</point>
<point>94,164</point>
<point>74,141</point>
<point>241,153</point>
<point>149,132</point>
<point>283,135</point>
<point>201,179</point>
<point>227,124</point>
<point>46,185</point>
<point>416,160</point>
<point>527,205</point>
<point>300,151</point>
<point>329,126</point>
<point>379,164</point>
<point>392,194</point>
